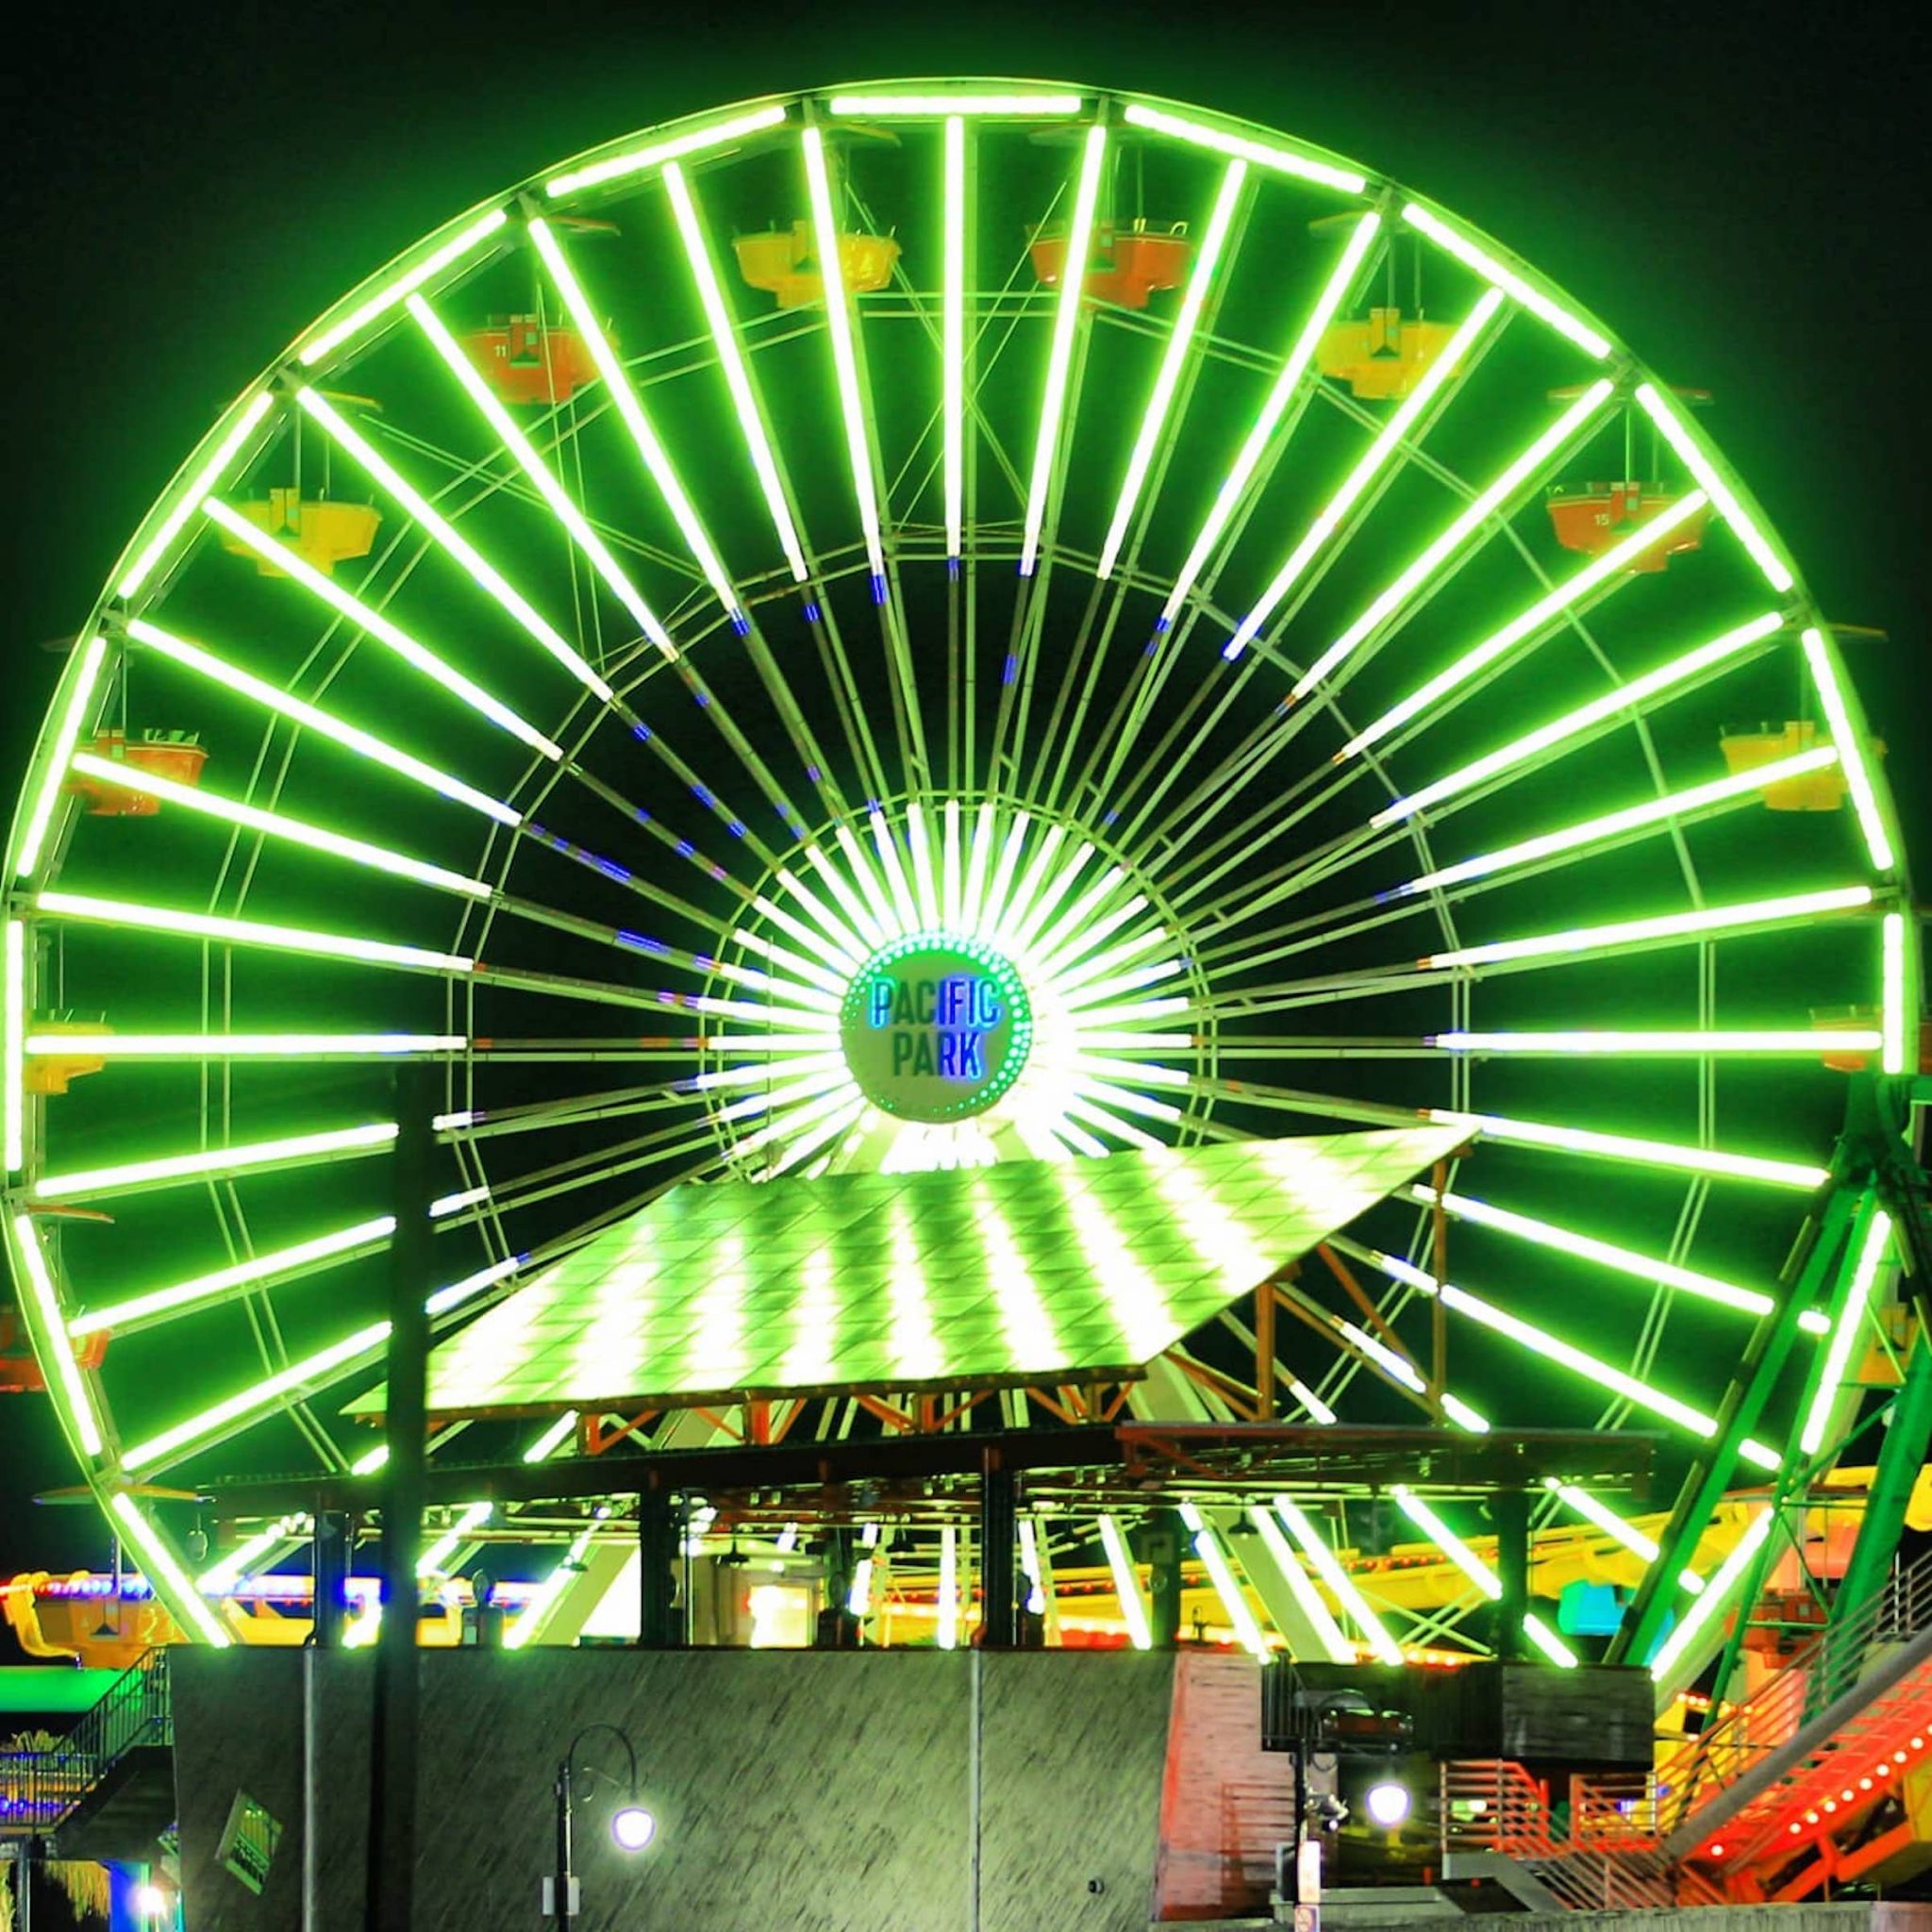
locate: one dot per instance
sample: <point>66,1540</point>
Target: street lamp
<point>631,1827</point>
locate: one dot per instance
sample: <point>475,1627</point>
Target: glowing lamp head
<point>633,1827</point>
<point>150,1903</point>
<point>1387,1804</point>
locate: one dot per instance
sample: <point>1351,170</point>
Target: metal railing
<point>40,1789</point>
<point>1701,1768</point>
<point>1596,1849</point>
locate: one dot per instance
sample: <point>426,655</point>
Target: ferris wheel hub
<point>935,1026</point>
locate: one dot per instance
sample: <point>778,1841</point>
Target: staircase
<point>1779,1795</point>
<point>1597,1851</point>
<point>106,1789</point>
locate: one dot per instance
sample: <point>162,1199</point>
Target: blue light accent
<point>643,818</point>
<point>952,566</point>
<point>1011,670</point>
<point>814,775</point>
<point>741,624</point>
<point>735,826</point>
<point>1231,650</point>
<point>811,611</point>
<point>703,796</point>
<point>610,869</point>
<point>1111,814</point>
<point>1161,623</point>
<point>701,698</point>
<point>685,848</point>
<point>878,587</point>
<point>1153,645</point>
<point>643,942</point>
<point>641,731</point>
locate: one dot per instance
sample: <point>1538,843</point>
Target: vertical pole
<point>1439,1314</point>
<point>391,1895</point>
<point>658,1541</point>
<point>1164,1544</point>
<point>996,1567</point>
<point>563,1913</point>
<point>1264,1351</point>
<point>330,1564</point>
<point>1509,1510</point>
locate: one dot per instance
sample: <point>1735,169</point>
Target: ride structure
<point>1071,661</point>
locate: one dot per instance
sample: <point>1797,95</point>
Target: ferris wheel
<point>917,629</point>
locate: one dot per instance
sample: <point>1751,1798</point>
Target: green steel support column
<point>1710,1474</point>
<point>1899,1462</point>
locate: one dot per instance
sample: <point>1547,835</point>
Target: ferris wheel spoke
<point>372,622</point>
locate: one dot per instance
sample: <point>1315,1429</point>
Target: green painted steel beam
<point>1750,1386</point>
<point>1899,1462</point>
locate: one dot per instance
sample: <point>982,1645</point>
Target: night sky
<point>1739,194</point>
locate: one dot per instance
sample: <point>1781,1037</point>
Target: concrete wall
<point>1812,1918</point>
<point>822,1791</point>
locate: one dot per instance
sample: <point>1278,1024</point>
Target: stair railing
<point>135,1712</point>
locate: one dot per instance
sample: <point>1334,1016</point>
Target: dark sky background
<point>1739,190</point>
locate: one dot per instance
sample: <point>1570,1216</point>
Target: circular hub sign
<point>934,1027</point>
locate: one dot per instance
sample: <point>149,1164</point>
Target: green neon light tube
<point>1459,1411</point>
<point>731,362</point>
<point>946,1619</point>
<point>1876,1235</point>
<point>13,1051</point>
<point>1340,1583</point>
<point>439,1553</point>
<point>1167,381</point>
<point>1234,485</point>
<point>1676,431</point>
<point>1308,1600</point>
<point>679,147</point>
<point>242,1560</point>
<point>1633,818</point>
<point>1367,469</point>
<point>73,716</point>
<point>1797,1040</point>
<point>192,658</point>
<point>480,570</point>
<point>138,1311</point>
<point>190,494</point>
<point>1611,705</point>
<point>247,932</point>
<point>541,477</point>
<point>1060,357</point>
<point>1548,1642</point>
<point>215,1163</point>
<point>1481,508</point>
<point>191,1046</point>
<point>1221,1574</point>
<point>844,354</point>
<point>1572,328</point>
<point>71,1394</point>
<point>550,1438</point>
<point>1627,932</point>
<point>1620,1260</point>
<point>1893,972</point>
<point>1632,1539</point>
<point>624,395</point>
<point>1546,610</point>
<point>930,106</point>
<point>1127,1583</point>
<point>274,825</point>
<point>402,287</point>
<point>953,340</point>
<point>458,1293</point>
<point>163,1570</point>
<point>252,1401</point>
<point>1724,1580</point>
<point>366,619</point>
<point>1541,1342</point>
<point>1240,148</point>
<point>1852,749</point>
<point>1805,1177</point>
<point>1446,1538</point>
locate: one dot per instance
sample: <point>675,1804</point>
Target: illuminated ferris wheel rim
<point>1032,539</point>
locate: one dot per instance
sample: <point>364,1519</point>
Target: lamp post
<point>632,1825</point>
